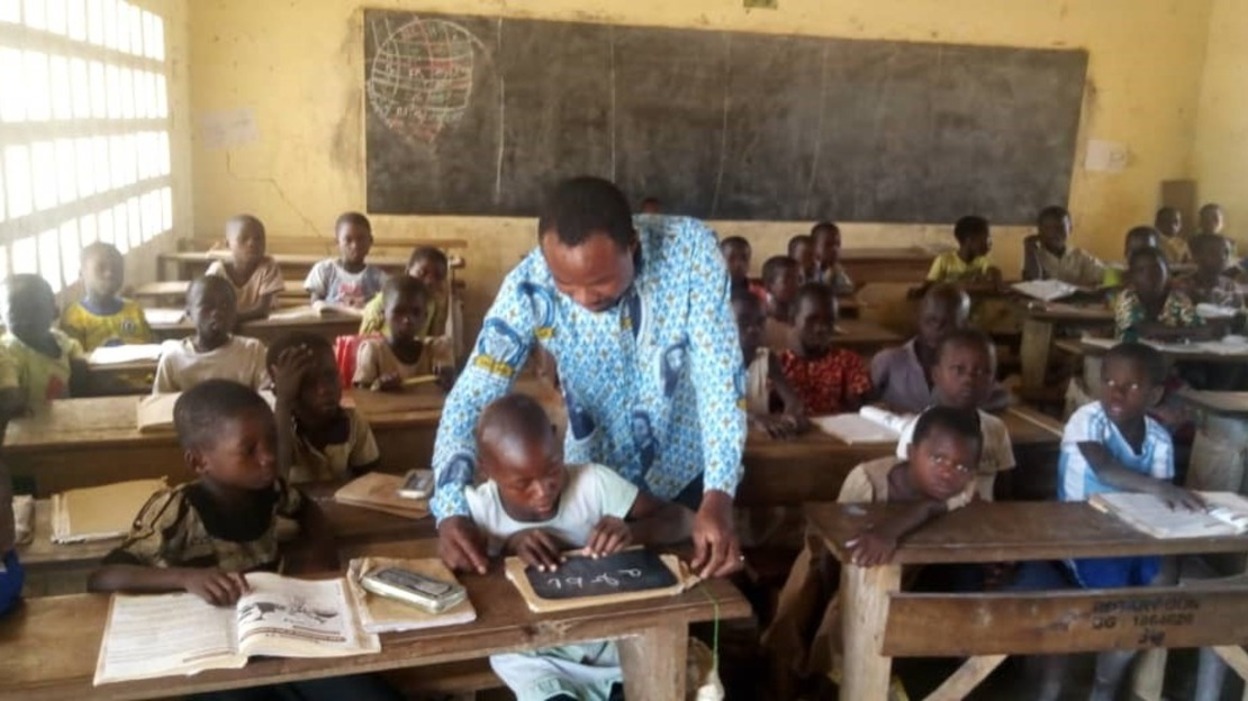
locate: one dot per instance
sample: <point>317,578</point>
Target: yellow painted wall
<point>1221,152</point>
<point>299,66</point>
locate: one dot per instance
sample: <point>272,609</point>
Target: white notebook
<point>1226,513</point>
<point>1045,290</point>
<point>869,425</point>
<point>130,353</point>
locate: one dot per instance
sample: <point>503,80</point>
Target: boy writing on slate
<point>255,277</point>
<point>534,506</point>
<point>213,352</point>
<point>1047,255</point>
<point>347,280</point>
<point>101,317</point>
<point>203,536</point>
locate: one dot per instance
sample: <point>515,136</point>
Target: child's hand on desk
<point>536,548</point>
<point>1177,497</point>
<point>389,383</point>
<point>869,549</point>
<point>610,535</point>
<point>782,426</point>
<point>289,370</point>
<point>214,586</point>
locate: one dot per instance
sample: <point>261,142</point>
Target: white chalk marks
<point>421,77</point>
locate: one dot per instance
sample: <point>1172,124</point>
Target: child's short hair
<point>1149,359</point>
<point>353,219</point>
<point>964,337</point>
<point>197,286</point>
<point>815,290</point>
<point>580,206</point>
<point>1210,207</point>
<point>824,226</point>
<point>1053,211</point>
<point>776,266</point>
<point>98,249</point>
<point>1147,255</point>
<point>1144,232</point>
<point>1164,211</point>
<point>313,342</point>
<point>396,285</point>
<point>732,241</point>
<point>969,226</point>
<point>963,423</point>
<point>25,288</point>
<point>1203,242</point>
<point>513,415</point>
<point>198,413</point>
<point>797,241</point>
<point>431,255</point>
<point>241,220</point>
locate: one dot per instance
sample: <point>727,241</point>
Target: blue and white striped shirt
<point>1090,424</point>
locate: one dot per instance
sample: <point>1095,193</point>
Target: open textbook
<point>159,635</point>
<point>869,425</point>
<point>1225,513</point>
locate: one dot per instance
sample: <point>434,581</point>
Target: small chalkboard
<point>623,572</point>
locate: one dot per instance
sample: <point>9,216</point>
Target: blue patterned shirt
<point>654,386</point>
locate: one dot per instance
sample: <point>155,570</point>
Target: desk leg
<point>653,662</point>
<point>864,613</point>
<point>1034,352</point>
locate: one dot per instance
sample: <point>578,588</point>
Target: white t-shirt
<point>240,359</point>
<point>332,283</point>
<point>997,453</point>
<point>592,492</point>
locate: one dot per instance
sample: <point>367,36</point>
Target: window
<point>84,132</point>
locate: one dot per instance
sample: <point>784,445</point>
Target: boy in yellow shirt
<point>969,265</point>
<point>47,364</point>
<point>102,317</point>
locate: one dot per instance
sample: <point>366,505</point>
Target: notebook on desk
<point>100,513</point>
<point>1226,513</point>
<point>869,425</point>
<point>379,491</point>
<point>129,353</point>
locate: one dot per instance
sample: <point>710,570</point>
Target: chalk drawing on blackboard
<point>421,78</point>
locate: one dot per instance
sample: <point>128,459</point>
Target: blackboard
<point>480,115</point>
<point>621,573</point>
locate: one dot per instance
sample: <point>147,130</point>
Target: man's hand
<point>461,545</point>
<point>536,547</point>
<point>869,549</point>
<point>716,551</point>
<point>214,586</point>
<point>610,535</point>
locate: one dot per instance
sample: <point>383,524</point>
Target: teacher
<point>643,336</point>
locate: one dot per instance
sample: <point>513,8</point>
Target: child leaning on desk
<point>534,506</point>
<point>317,437</point>
<point>938,476</point>
<point>203,536</point>
<point>386,362</point>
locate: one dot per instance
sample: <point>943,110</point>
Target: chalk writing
<point>628,571</point>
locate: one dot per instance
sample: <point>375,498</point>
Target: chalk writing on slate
<point>628,571</point>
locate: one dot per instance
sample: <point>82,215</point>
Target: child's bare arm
<point>212,585</point>
<point>875,544</point>
<point>1119,476</point>
<point>288,374</point>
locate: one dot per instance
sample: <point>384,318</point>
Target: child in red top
<point>828,380</point>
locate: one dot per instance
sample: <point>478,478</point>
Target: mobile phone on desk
<point>418,484</point>
<point>427,593</point>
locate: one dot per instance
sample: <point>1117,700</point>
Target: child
<point>736,252</point>
<point>534,506</point>
<point>1138,238</point>
<point>764,381</point>
<point>102,318</point>
<point>203,536</point>
<point>780,277</point>
<point>969,265</point>
<point>384,363</point>
<point>430,266</point>
<point>802,250</point>
<point>317,438</point>
<point>348,280</point>
<point>1169,223</point>
<point>1112,445</point>
<point>1211,219</point>
<point>213,352</point>
<point>825,240</point>
<point>938,477</point>
<point>1208,284</point>
<point>962,377</point>
<point>828,380</point>
<point>1046,254</point>
<point>46,363</point>
<point>255,277</point>
<point>1148,308</point>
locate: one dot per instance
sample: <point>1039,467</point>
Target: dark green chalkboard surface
<point>621,573</point>
<point>479,115</point>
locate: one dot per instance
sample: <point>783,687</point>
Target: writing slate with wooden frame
<point>583,581</point>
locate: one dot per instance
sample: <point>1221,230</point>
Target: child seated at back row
<point>1169,224</point>
<point>430,266</point>
<point>255,277</point>
<point>781,276</point>
<point>1209,284</point>
<point>318,439</point>
<point>828,380</point>
<point>1148,308</point>
<point>102,317</point>
<point>1137,238</point>
<point>214,352</point>
<point>384,363</point>
<point>969,265</point>
<point>535,507</point>
<point>1047,254</point>
<point>802,250</point>
<point>46,364</point>
<point>203,536</point>
<point>736,252</point>
<point>765,385</point>
<point>347,280</point>
<point>937,477</point>
<point>825,238</point>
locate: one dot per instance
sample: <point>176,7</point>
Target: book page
<point>853,428</point>
<point>1149,514</point>
<point>1045,290</point>
<point>130,353</point>
<point>285,617</point>
<point>158,635</point>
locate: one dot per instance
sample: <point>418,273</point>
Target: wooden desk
<point>187,265</point>
<point>653,637</point>
<point>172,293</point>
<point>1038,333</point>
<point>813,466</point>
<point>1233,403</point>
<point>864,337</point>
<point>1077,346</point>
<point>869,265</point>
<point>881,622</point>
<point>331,326</point>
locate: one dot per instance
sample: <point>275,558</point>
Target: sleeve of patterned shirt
<point>715,365</point>
<point>502,348</point>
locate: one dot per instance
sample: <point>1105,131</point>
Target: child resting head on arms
<point>534,506</point>
<point>46,363</point>
<point>1148,308</point>
<point>764,381</point>
<point>347,280</point>
<point>828,380</point>
<point>317,437</point>
<point>385,363</point>
<point>430,266</point>
<point>213,352</point>
<point>255,277</point>
<point>780,280</point>
<point>102,317</point>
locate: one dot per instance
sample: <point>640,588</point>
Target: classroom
<point>591,349</point>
